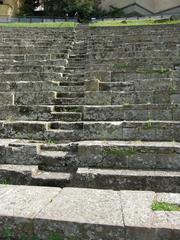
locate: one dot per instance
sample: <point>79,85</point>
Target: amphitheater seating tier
<point>90,119</point>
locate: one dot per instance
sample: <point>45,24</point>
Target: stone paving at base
<point>87,213</point>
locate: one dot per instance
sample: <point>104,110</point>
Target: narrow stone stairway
<point>68,114</point>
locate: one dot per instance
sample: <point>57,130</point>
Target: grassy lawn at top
<point>41,25</point>
<point>163,206</point>
<point>111,23</point>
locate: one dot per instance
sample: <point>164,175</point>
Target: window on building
<point>1,1</point>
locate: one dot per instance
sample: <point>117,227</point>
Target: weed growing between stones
<point>119,152</point>
<point>148,125</point>
<point>4,182</point>
<point>49,142</point>
<point>161,71</point>
<point>163,206</point>
<point>120,66</point>
<point>10,119</point>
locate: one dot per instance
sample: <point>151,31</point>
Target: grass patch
<point>114,23</point>
<point>114,151</point>
<point>4,182</point>
<point>120,66</point>
<point>41,25</point>
<point>163,206</point>
<point>161,71</point>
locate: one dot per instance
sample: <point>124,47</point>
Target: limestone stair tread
<point>144,144</point>
<point>30,175</point>
<point>53,154</point>
<point>19,168</point>
<point>60,176</point>
<point>58,209</point>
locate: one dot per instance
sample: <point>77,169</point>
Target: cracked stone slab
<point>83,213</point>
<point>86,214</point>
<point>137,214</point>
<point>24,201</point>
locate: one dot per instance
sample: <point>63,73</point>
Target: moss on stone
<point>114,151</point>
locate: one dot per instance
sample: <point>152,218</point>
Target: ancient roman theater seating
<point>92,110</point>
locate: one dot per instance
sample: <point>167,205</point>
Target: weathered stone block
<point>97,98</point>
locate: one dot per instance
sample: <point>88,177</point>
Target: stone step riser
<point>36,131</point>
<point>57,161</point>
<point>69,101</point>
<point>156,156</point>
<point>168,97</point>
<point>67,116</point>
<point>67,125</point>
<point>70,95</point>
<point>132,113</point>
<point>38,69</point>
<point>136,131</point>
<point>28,178</point>
<point>68,108</point>
<point>13,113</point>
<point>132,131</point>
<point>144,68</point>
<point>125,181</point>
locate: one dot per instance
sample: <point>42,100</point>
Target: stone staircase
<point>94,111</point>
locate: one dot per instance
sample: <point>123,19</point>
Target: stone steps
<point>132,112</point>
<point>132,130</point>
<point>70,95</point>
<point>149,84</point>
<point>67,116</point>
<point>68,108</point>
<point>72,83</point>
<point>89,216</point>
<point>123,136</point>
<point>31,175</point>
<point>69,101</point>
<point>30,57</point>
<point>100,130</point>
<point>34,130</point>
<point>170,96</point>
<point>28,76</point>
<point>31,68</point>
<point>130,155</point>
<point>57,161</point>
<point>136,180</point>
<point>78,125</point>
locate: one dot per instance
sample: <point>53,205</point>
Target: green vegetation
<point>59,8</point>
<point>120,66</point>
<point>130,23</point>
<point>41,25</point>
<point>118,152</point>
<point>148,125</point>
<point>163,206</point>
<point>4,182</point>
<point>161,71</point>
<point>49,142</point>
